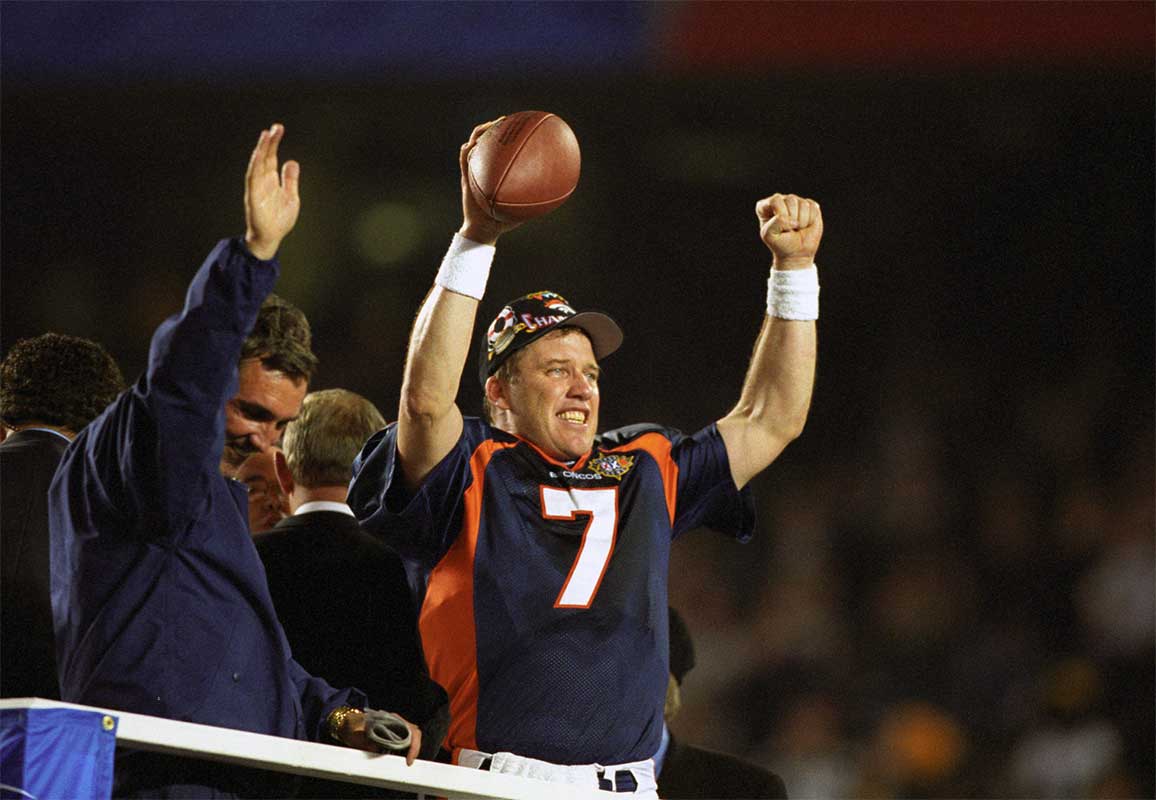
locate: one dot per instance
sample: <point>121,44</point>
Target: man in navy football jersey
<point>540,549</point>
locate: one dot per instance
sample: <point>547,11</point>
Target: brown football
<point>525,165</point>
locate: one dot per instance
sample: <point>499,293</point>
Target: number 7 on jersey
<point>597,541</point>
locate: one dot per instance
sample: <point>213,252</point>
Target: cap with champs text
<point>530,317</point>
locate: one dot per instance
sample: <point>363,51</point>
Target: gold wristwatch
<point>336,720</point>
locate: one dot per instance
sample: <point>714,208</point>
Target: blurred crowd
<point>949,610</point>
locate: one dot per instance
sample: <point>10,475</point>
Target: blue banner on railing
<point>54,753</point>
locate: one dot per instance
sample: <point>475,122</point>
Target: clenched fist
<point>791,227</point>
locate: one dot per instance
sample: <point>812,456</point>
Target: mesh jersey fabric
<point>543,587</point>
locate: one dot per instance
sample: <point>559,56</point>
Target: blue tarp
<point>87,41</point>
<point>54,753</point>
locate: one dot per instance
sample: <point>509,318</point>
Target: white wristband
<point>466,267</point>
<point>793,293</point>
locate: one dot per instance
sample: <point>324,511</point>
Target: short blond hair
<point>321,443</point>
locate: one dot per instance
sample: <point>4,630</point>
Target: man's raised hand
<point>477,225</point>
<point>791,226</point>
<point>271,200</point>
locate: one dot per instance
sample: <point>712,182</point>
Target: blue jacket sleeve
<point>318,699</point>
<point>157,447</point>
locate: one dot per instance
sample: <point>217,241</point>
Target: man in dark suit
<point>360,626</point>
<point>686,772</point>
<point>51,386</point>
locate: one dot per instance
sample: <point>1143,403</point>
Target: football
<point>524,165</point>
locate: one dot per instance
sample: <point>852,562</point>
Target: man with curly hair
<point>51,386</point>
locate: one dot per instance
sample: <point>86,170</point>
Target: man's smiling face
<point>266,401</point>
<point>552,397</point>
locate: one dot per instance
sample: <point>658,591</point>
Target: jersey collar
<point>577,466</point>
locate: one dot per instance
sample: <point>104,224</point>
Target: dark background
<point>953,589</point>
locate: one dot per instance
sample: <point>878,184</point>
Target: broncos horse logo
<point>552,300</point>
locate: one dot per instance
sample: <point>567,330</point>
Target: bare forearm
<point>429,421</point>
<point>776,394</point>
<point>438,348</point>
<point>775,397</point>
<point>428,418</point>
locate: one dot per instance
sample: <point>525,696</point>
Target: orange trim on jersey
<point>446,621</point>
<point>658,446</point>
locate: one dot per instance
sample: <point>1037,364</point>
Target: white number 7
<point>597,541</point>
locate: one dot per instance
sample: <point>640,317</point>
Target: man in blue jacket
<point>159,599</point>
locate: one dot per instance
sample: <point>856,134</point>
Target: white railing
<point>279,754</point>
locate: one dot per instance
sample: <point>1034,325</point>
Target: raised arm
<point>428,419</point>
<point>170,424</point>
<point>776,394</point>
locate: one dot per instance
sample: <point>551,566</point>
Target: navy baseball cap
<point>534,315</point>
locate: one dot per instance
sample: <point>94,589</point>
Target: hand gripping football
<point>524,165</point>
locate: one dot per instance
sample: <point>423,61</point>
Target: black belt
<point>623,780</point>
